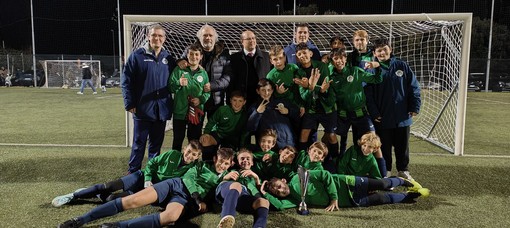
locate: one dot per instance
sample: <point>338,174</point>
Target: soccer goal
<point>68,73</point>
<point>436,46</point>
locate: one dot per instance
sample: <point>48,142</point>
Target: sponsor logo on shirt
<point>225,118</point>
<point>200,78</point>
<point>148,60</point>
<point>164,61</point>
<point>350,78</point>
<point>399,73</point>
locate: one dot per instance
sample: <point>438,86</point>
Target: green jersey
<point>227,124</point>
<point>249,182</point>
<point>258,155</point>
<point>286,77</point>
<point>273,168</point>
<point>353,162</point>
<point>313,100</point>
<point>348,88</point>
<point>165,166</point>
<point>195,89</point>
<point>321,190</point>
<point>303,160</point>
<point>202,178</point>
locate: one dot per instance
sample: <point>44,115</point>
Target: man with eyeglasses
<point>248,66</point>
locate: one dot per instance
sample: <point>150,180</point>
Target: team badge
<point>165,61</point>
<point>399,73</point>
<point>350,78</point>
<point>200,78</point>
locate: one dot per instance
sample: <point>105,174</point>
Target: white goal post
<point>436,46</point>
<point>68,73</point>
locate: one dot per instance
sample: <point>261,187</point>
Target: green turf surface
<point>466,191</point>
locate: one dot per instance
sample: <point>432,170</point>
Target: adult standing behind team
<point>248,66</point>
<point>301,35</point>
<point>216,61</point>
<point>144,88</point>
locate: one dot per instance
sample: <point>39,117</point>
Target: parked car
<point>27,79</point>
<point>113,82</point>
<point>431,85</point>
<point>500,86</point>
<point>475,86</point>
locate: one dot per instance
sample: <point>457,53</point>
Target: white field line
<point>465,155</point>
<point>59,145</point>
<point>485,100</point>
<point>109,96</point>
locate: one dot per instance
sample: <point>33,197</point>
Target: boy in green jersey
<point>364,159</point>
<point>175,195</point>
<point>312,158</point>
<point>226,126</point>
<point>334,190</point>
<point>167,165</point>
<point>189,97</point>
<point>347,84</point>
<point>282,75</point>
<point>267,140</point>
<point>318,99</point>
<point>239,191</point>
<point>281,166</point>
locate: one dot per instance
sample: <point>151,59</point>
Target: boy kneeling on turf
<point>364,159</point>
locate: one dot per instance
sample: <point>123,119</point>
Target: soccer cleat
<point>405,175</point>
<point>61,200</point>
<point>80,93</point>
<point>71,223</point>
<point>227,222</point>
<point>424,192</point>
<point>94,93</point>
<point>416,186</point>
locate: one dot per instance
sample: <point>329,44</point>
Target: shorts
<point>361,125</point>
<point>328,121</point>
<point>360,190</point>
<point>133,182</point>
<point>174,191</point>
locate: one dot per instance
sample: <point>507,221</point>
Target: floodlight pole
<point>33,43</point>
<point>489,52</point>
<point>120,36</point>
<point>113,45</point>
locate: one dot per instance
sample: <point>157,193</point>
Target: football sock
<point>230,197</point>
<point>105,210</point>
<point>89,192</point>
<point>260,217</point>
<point>343,145</point>
<point>333,150</point>
<point>381,163</point>
<point>144,221</point>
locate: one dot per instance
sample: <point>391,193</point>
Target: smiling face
<point>360,43</point>
<point>267,143</point>
<point>304,57</point>
<point>156,38</point>
<point>302,35</point>
<point>339,62</point>
<point>194,57</point>
<point>265,92</point>
<point>249,40</point>
<point>316,154</point>
<point>190,155</point>
<point>237,103</point>
<point>279,188</point>
<point>221,164</point>
<point>383,53</point>
<point>286,156</point>
<point>245,160</point>
<point>367,149</point>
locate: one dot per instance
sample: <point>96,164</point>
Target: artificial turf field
<point>467,191</point>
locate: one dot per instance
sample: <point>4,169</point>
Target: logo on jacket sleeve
<point>399,73</point>
<point>200,78</point>
<point>350,78</point>
<point>164,61</point>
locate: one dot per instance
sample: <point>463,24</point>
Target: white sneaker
<point>79,93</point>
<point>61,200</point>
<point>405,175</point>
<point>227,222</point>
<point>94,93</point>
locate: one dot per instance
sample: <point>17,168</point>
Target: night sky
<point>85,27</point>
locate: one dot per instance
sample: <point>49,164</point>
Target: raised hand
<point>371,65</point>
<point>325,85</point>
<point>314,78</point>
<point>281,89</point>
<point>262,106</point>
<point>282,109</point>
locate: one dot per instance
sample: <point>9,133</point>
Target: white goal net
<point>68,73</point>
<point>436,46</point>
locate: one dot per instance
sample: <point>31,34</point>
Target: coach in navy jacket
<point>144,88</point>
